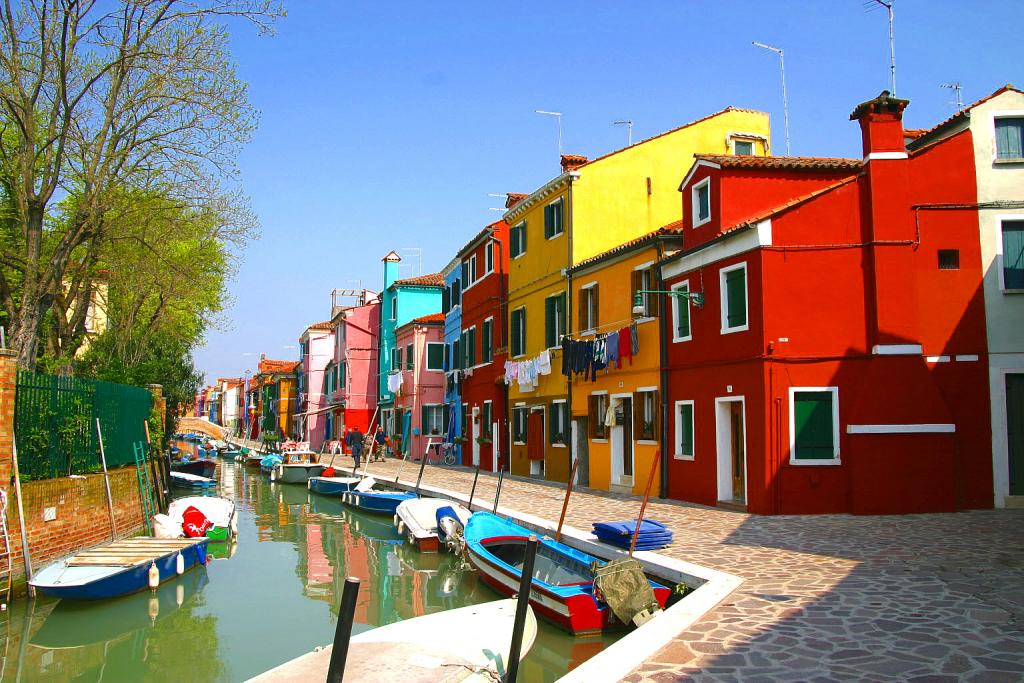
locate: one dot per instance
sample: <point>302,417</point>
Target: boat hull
<point>124,582</point>
<point>200,468</point>
<point>295,473</point>
<point>377,502</point>
<point>332,486</point>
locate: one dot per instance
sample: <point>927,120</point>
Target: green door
<point>1015,431</point>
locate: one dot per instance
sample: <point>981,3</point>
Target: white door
<point>476,433</point>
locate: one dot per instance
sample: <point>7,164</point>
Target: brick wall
<point>78,505</point>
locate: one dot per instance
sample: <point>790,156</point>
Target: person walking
<point>380,439</point>
<point>355,442</point>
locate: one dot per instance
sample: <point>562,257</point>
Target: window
<point>433,419</point>
<point>394,307</point>
<point>558,423</point>
<point>553,219</point>
<point>435,356</point>
<point>700,201</point>
<point>489,257</point>
<point>744,148</point>
<point>446,299</point>
<point>396,359</point>
<point>473,275</point>
<point>342,375</point>
<point>456,293</point>
<point>519,416</point>
<point>734,298</point>
<point>485,420</point>
<point>589,306</point>
<point>949,259</point>
<point>597,410</point>
<point>644,280</point>
<point>303,349</point>
<point>646,415</point>
<point>681,313</point>
<point>518,336</point>
<point>1013,254</point>
<point>554,320</point>
<point>447,358</point>
<point>487,341</point>
<point>813,424</point>
<point>408,357</point>
<point>469,347</point>
<point>466,282</point>
<point>684,430</point>
<point>1009,137</point>
<point>457,353</point>
<point>517,240</point>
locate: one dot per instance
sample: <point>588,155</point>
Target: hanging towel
<point>394,382</point>
<point>609,415</point>
<point>625,347</point>
<point>635,339</point>
<point>544,362</point>
<point>611,348</point>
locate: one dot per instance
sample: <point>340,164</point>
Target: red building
<point>484,347</point>
<point>837,360</point>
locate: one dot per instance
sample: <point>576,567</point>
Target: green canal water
<point>268,597</point>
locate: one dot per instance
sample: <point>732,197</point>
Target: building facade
<point>316,351</point>
<point>451,307</point>
<point>352,382</point>
<point>419,389</point>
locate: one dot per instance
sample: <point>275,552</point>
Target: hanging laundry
<point>544,362</point>
<point>609,415</point>
<point>511,370</point>
<point>394,382</point>
<point>567,346</point>
<point>599,362</point>
<point>611,346</point>
<point>625,346</point>
<point>635,338</point>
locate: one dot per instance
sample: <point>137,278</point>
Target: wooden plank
<point>108,562</point>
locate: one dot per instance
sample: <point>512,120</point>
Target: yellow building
<point>592,207</point>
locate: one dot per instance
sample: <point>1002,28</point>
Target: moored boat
<point>466,644</point>
<point>416,519</point>
<point>332,486</point>
<point>365,497</point>
<point>563,581</point>
<point>119,568</point>
<point>295,472</point>
<point>200,468</point>
<point>191,481</point>
<point>220,511</point>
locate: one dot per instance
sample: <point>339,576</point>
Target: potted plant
<point>482,440</point>
<point>558,438</point>
<point>647,430</point>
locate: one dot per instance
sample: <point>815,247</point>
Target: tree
<point>97,99</point>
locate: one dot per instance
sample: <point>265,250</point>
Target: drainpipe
<point>505,434</point>
<point>568,317</point>
<point>663,357</point>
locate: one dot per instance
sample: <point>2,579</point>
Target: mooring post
<point>565,503</point>
<point>497,493</point>
<point>643,506</point>
<point>106,481</point>
<point>342,634</point>
<point>423,465</point>
<point>522,604</point>
<point>473,490</point>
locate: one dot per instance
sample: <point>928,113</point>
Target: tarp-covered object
<point>653,534</point>
<point>624,587</point>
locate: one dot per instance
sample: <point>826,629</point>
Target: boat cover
<point>624,587</point>
<point>653,534</point>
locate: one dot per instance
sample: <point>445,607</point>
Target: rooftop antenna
<point>782,68</point>
<point>557,115</point>
<point>955,87</point>
<point>629,124</point>
<point>418,253</point>
<point>887,4</point>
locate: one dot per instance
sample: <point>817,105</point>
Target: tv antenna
<point>887,4</point>
<point>418,253</point>
<point>782,69</point>
<point>629,124</point>
<point>955,87</point>
<point>557,115</point>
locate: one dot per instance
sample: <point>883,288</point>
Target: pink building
<point>316,350</point>
<point>352,378</point>
<point>419,400</point>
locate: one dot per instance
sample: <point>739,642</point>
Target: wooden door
<point>1015,431</point>
<point>627,437</point>
<point>739,466</point>
<point>535,435</point>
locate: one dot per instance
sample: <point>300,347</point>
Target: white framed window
<point>489,257</point>
<point>700,202</point>
<point>684,431</point>
<point>517,240</point>
<point>733,287</point>
<point>597,407</point>
<point>1011,252</point>
<point>487,341</point>
<point>553,220</point>
<point>519,417</point>
<point>646,424</point>
<point>517,336</point>
<point>814,425</point>
<point>394,307</point>
<point>1009,135</point>
<point>473,274</point>
<point>589,307</point>
<point>644,280</point>
<point>681,330</point>
<point>554,320</point>
<point>742,147</point>
<point>435,356</point>
<point>432,419</point>
<point>486,418</point>
<point>558,423</point>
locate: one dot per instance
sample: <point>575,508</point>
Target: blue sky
<point>385,125</point>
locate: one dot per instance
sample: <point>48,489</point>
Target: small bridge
<point>201,425</point>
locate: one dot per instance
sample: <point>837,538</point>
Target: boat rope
<point>481,670</point>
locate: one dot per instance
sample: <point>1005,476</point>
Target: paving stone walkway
<point>922,598</point>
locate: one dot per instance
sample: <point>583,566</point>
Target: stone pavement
<point>922,598</point>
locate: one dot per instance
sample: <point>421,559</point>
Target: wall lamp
<point>638,300</point>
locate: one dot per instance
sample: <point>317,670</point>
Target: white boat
<point>191,481</point>
<point>295,472</point>
<point>466,644</point>
<point>416,519</point>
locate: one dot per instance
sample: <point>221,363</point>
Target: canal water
<point>269,596</point>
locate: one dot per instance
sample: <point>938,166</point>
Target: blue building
<point>451,306</point>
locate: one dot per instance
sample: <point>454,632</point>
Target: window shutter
<point>735,283</point>
<point>516,322</point>
<point>682,304</point>
<point>592,417</point>
<point>1013,254</point>
<point>581,317</point>
<point>424,420</point>
<point>638,414</point>
<point>812,422</point>
<point>638,284</point>
<point>657,415</point>
<point>548,220</point>
<point>549,322</point>
<point>408,357</point>
<point>685,435</point>
<point>522,237</point>
<point>595,304</point>
<point>653,300</point>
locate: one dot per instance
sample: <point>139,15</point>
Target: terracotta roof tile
<point>675,228</point>
<point>325,325</point>
<point>271,367</point>
<point>476,238</point>
<point>965,111</point>
<point>430,280</point>
<point>783,163</point>
<point>513,198</point>
<point>427,319</point>
<point>914,133</point>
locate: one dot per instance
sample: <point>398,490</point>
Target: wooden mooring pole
<point>343,632</point>
<point>469,506</point>
<point>565,503</point>
<point>643,506</point>
<point>21,519</point>
<point>497,492</point>
<point>522,604</point>
<point>106,480</point>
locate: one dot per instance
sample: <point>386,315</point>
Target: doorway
<point>535,441</point>
<point>475,421</point>
<point>731,442</point>
<point>621,438</point>
<point>581,441</point>
<point>1015,431</point>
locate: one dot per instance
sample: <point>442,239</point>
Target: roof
<point>783,163</point>
<point>325,326</point>
<point>672,229</point>
<point>429,280</point>
<point>272,367</point>
<point>427,319</point>
<point>914,133</point>
<point>513,198</point>
<point>965,112</point>
<point>476,238</point>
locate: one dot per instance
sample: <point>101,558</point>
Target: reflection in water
<point>269,597</point>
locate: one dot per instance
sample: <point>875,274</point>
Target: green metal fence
<point>55,424</point>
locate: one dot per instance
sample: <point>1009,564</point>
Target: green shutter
<point>736,297</point>
<point>515,333</point>
<point>813,428</point>
<point>424,429</point>
<point>408,357</point>
<point>435,356</point>
<point>1013,254</point>
<point>686,429</point>
<point>471,348</point>
<point>549,322</point>
<point>683,313</point>
<point>486,354</point>
<point>549,220</point>
<point>522,238</point>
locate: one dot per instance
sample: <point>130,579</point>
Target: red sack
<point>329,472</point>
<point>194,523</point>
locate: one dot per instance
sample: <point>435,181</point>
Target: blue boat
<point>332,486</point>
<point>267,463</point>
<point>191,481</point>
<point>119,567</point>
<point>364,497</point>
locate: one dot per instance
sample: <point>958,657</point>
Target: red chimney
<point>570,162</point>
<point>881,124</point>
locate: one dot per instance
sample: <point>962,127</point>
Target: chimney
<point>513,198</point>
<point>888,224</point>
<point>570,162</point>
<point>391,262</point>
